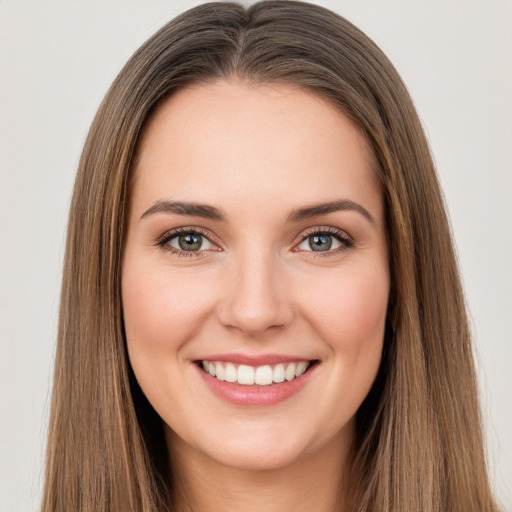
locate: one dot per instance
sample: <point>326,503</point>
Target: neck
<point>314,482</point>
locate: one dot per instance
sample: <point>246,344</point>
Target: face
<point>255,275</point>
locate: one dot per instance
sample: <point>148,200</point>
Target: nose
<point>256,299</point>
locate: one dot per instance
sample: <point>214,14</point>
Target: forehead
<point>228,140</point>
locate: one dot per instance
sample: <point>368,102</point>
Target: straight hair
<point>419,443</point>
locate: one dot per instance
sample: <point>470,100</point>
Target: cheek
<point>355,323</point>
<point>352,307</point>
<point>351,321</point>
<point>161,309</point>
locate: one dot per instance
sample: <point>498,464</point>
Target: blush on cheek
<point>163,309</point>
<point>355,309</point>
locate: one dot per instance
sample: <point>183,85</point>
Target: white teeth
<point>289,374</point>
<point>249,375</point>
<point>219,371</point>
<point>263,375</point>
<point>278,373</point>
<point>301,368</point>
<point>245,375</point>
<point>230,373</point>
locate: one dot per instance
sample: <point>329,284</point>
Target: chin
<point>254,457</point>
<point>264,448</point>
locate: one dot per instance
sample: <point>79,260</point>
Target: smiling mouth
<point>265,375</point>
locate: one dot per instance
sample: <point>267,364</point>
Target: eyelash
<point>338,234</point>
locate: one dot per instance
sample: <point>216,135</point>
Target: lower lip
<point>238,394</point>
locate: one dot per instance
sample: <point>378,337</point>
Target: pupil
<point>320,242</point>
<point>190,242</point>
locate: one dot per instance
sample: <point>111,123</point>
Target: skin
<point>255,287</point>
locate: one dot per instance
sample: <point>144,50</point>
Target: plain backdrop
<point>57,59</point>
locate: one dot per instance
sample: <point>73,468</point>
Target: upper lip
<point>254,360</point>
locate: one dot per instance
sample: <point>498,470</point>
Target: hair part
<point>419,444</point>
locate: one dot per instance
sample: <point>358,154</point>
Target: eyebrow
<point>325,208</point>
<point>184,208</point>
<point>211,212</point>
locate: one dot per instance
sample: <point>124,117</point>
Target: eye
<point>329,240</point>
<point>185,242</point>
<point>190,242</point>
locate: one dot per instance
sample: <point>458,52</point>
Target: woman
<point>261,306</point>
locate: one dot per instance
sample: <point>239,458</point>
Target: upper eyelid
<point>324,229</point>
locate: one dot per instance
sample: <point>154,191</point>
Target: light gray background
<point>57,60</point>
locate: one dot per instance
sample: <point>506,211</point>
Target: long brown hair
<point>419,438</point>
